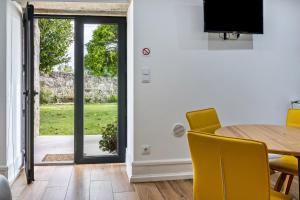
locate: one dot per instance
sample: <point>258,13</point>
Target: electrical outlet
<point>146,149</point>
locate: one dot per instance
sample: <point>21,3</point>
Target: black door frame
<point>79,21</point>
<point>79,90</point>
<point>28,91</point>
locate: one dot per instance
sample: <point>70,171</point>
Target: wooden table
<point>279,139</point>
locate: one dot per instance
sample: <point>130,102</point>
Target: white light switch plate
<point>146,79</point>
<point>146,71</point>
<point>146,75</point>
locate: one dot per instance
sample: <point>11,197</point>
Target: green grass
<point>59,119</point>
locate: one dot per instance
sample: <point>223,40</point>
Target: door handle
<point>35,93</point>
<point>26,93</point>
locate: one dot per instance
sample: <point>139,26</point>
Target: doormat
<point>58,157</point>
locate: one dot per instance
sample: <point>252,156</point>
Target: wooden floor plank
<point>169,192</point>
<point>101,190</point>
<point>148,191</point>
<point>19,185</point>
<point>120,181</point>
<point>55,193</point>
<point>35,191</point>
<point>61,176</point>
<point>126,196</point>
<point>183,187</point>
<point>110,183</point>
<point>43,173</point>
<point>79,185</point>
<point>101,172</point>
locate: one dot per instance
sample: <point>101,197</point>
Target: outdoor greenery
<point>102,51</point>
<point>55,40</point>
<point>101,60</point>
<point>47,97</point>
<point>58,119</point>
<point>109,138</point>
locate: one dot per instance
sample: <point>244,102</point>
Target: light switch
<point>146,75</point>
<point>146,79</point>
<point>146,71</point>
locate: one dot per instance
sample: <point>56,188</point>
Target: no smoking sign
<point>146,51</point>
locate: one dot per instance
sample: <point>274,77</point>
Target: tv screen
<point>241,16</point>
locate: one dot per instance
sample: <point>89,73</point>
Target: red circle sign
<point>146,51</point>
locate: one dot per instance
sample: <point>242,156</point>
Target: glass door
<point>100,89</point>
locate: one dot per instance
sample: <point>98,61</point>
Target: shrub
<point>87,99</point>
<point>45,96</point>
<point>112,99</point>
<point>66,99</point>
<point>109,138</point>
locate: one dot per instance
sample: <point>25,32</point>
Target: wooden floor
<point>101,182</point>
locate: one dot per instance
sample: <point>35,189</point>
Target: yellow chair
<point>228,168</point>
<point>288,165</point>
<point>204,120</point>
<point>293,118</point>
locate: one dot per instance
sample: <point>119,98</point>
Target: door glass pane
<point>100,89</point>
<point>54,80</point>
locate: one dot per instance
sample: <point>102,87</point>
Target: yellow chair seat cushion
<point>278,196</point>
<point>286,164</point>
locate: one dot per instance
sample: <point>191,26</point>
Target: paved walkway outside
<point>64,145</point>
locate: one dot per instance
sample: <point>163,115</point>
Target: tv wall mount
<point>295,103</point>
<point>229,36</point>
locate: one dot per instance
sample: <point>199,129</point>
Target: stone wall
<point>36,77</point>
<point>59,88</point>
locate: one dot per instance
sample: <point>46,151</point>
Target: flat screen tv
<point>226,16</point>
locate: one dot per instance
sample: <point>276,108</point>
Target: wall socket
<point>146,149</point>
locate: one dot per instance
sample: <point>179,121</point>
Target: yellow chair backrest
<point>227,168</point>
<point>204,120</point>
<point>293,118</point>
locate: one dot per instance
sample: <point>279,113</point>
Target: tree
<point>56,38</point>
<point>102,52</point>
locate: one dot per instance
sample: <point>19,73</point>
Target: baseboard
<point>159,170</point>
<point>160,177</point>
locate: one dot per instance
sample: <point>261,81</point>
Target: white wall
<point>245,86</point>
<point>13,90</point>
<point>2,86</point>
<point>130,86</point>
<point>10,88</point>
